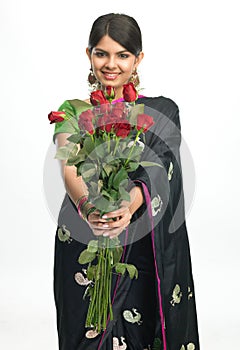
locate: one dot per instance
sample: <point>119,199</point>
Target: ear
<point>88,53</point>
<point>139,59</point>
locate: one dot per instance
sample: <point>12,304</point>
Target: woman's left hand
<point>120,220</point>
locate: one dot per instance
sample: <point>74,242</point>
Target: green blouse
<point>72,108</point>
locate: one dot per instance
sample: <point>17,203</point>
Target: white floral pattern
<point>129,316</point>
<point>117,346</point>
<point>190,346</point>
<point>176,295</point>
<point>156,205</point>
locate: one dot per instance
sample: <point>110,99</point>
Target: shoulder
<point>161,103</point>
<point>75,103</point>
<point>74,107</point>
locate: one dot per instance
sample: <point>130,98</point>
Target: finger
<point>122,222</point>
<point>98,232</point>
<point>116,213</point>
<point>95,218</point>
<point>114,233</point>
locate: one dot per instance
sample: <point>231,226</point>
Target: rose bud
<point>122,129</point>
<point>85,121</point>
<point>98,98</point>
<point>56,117</point>
<point>129,92</point>
<point>110,92</point>
<point>144,122</point>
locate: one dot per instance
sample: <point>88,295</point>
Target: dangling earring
<point>135,78</point>
<point>92,81</point>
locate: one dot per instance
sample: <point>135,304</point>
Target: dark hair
<point>121,28</point>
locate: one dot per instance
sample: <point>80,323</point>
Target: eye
<point>123,55</point>
<point>100,54</point>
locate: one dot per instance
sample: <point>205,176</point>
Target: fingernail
<point>105,235</point>
<point>104,217</point>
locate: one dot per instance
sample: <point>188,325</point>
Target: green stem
<point>109,143</point>
<point>116,145</point>
<point>132,148</point>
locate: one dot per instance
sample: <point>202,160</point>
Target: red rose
<point>129,92</point>
<point>110,92</point>
<point>98,98</point>
<point>122,129</point>
<point>118,110</point>
<point>105,108</point>
<point>106,122</point>
<point>56,117</point>
<point>144,121</point>
<point>101,124</point>
<point>85,121</point>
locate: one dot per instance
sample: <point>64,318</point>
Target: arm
<point>74,184</point>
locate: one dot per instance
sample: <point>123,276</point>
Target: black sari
<point>157,310</point>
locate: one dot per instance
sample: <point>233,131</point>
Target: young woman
<point>157,310</point>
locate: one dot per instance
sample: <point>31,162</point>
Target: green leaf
<point>106,194</point>
<point>103,204</point>
<point>124,194</point>
<point>146,164</point>
<point>133,272</point>
<point>76,159</point>
<point>135,152</point>
<point>87,170</point>
<point>86,257</point>
<point>75,138</point>
<point>117,254</point>
<point>92,246</point>
<point>93,188</point>
<point>64,151</point>
<point>132,166</point>
<point>119,177</point>
<point>109,158</point>
<point>120,268</point>
<point>88,145</point>
<point>91,272</point>
<point>108,169</point>
<point>101,150</point>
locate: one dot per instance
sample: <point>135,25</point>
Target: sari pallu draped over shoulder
<point>162,218</point>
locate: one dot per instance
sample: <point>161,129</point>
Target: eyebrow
<point>122,51</point>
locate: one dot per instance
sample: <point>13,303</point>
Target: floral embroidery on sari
<point>176,295</point>
<point>81,279</point>
<point>130,317</point>
<point>170,171</point>
<point>91,334</point>
<point>190,346</point>
<point>64,234</point>
<point>156,205</point>
<point>117,346</point>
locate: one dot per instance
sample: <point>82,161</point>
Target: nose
<point>111,63</point>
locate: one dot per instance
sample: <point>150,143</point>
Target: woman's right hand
<point>98,225</point>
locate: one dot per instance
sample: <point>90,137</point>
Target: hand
<point>111,224</point>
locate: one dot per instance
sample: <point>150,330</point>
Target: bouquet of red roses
<point>104,150</point>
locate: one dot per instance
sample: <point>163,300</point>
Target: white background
<point>192,56</point>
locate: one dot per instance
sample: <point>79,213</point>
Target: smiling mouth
<point>110,76</point>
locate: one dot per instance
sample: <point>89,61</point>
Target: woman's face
<point>112,64</point>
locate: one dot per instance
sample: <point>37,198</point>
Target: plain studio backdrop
<point>192,56</point>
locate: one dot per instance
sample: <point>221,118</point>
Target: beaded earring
<point>92,81</point>
<point>135,78</point>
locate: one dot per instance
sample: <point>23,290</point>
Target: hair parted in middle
<point>121,28</point>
